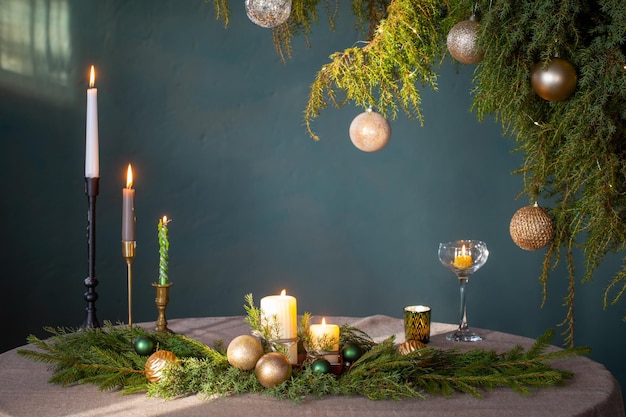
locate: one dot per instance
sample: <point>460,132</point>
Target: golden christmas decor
<point>272,369</point>
<point>554,82</point>
<point>244,351</point>
<point>157,362</point>
<point>531,227</point>
<point>410,346</point>
<point>462,42</point>
<point>370,131</point>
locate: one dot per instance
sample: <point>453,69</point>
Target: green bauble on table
<point>351,352</point>
<point>143,345</point>
<point>321,366</point>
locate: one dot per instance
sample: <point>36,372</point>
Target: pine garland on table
<point>105,357</point>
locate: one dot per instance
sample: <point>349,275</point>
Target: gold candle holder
<point>161,300</point>
<point>128,252</point>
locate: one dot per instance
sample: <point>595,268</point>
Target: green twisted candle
<point>164,246</point>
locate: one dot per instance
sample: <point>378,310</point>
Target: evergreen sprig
<point>104,356</point>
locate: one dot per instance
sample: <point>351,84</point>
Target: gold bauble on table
<point>244,351</point>
<point>157,362</point>
<point>410,346</point>
<point>554,82</point>
<point>370,131</point>
<point>272,369</point>
<point>462,42</point>
<point>531,227</point>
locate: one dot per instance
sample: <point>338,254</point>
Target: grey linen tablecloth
<point>593,392</point>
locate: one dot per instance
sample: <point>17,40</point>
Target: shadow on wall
<point>35,48</point>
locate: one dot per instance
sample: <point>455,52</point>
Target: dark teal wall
<point>211,121</point>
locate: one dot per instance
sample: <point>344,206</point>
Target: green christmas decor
<point>321,365</point>
<point>144,345</point>
<point>351,352</point>
<point>182,366</point>
<point>574,150</point>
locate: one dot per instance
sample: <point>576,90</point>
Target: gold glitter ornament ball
<point>370,131</point>
<point>554,82</point>
<point>531,227</point>
<point>157,362</point>
<point>272,369</point>
<point>462,42</point>
<point>244,351</point>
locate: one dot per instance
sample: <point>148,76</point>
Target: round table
<point>592,392</point>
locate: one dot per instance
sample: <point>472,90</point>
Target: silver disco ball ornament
<point>268,13</point>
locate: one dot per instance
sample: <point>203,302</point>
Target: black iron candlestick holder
<point>91,282</point>
<point>128,252</point>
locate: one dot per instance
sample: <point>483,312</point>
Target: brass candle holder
<point>161,300</point>
<point>128,252</point>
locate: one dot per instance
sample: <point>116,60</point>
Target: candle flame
<point>462,258</point>
<point>129,177</point>
<point>323,321</point>
<point>92,77</point>
<point>283,293</point>
<point>165,221</point>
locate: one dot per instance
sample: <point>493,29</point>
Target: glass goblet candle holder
<point>463,257</point>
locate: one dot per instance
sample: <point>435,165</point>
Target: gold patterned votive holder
<point>417,323</point>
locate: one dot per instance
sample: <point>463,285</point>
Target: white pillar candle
<point>283,308</point>
<point>322,335</point>
<point>92,161</point>
<point>325,337</point>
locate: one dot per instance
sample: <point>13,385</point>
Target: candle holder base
<point>333,357</point>
<point>161,300</point>
<point>128,253</point>
<point>288,347</point>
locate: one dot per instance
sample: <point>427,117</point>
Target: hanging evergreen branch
<point>385,73</point>
<point>222,11</point>
<point>575,150</point>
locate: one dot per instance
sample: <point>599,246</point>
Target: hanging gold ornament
<point>462,42</point>
<point>268,13</point>
<point>370,131</point>
<point>272,369</point>
<point>157,362</point>
<point>244,351</point>
<point>554,82</point>
<point>531,227</point>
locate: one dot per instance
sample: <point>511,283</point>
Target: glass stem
<point>463,312</point>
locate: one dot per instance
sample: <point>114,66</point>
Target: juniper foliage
<point>574,150</point>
